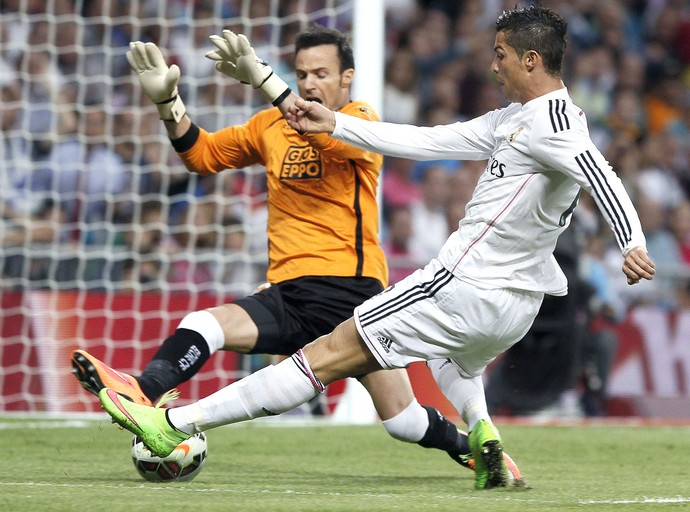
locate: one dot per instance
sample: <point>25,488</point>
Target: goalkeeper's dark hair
<point>316,35</point>
<point>536,28</point>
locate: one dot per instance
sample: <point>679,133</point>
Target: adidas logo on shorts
<point>385,343</point>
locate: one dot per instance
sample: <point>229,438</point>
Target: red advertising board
<point>40,329</point>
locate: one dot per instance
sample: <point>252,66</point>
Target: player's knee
<point>207,325</point>
<point>340,354</point>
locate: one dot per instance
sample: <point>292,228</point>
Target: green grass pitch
<point>85,465</point>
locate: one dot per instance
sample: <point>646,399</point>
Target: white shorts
<point>432,314</point>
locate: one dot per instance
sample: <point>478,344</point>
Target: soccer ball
<point>182,465</point>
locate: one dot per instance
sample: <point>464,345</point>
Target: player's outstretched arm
<point>310,116</point>
<point>235,57</point>
<point>159,82</point>
<point>638,265</point>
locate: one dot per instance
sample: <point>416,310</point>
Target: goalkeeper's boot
<point>466,460</point>
<point>149,423</point>
<point>487,449</point>
<point>95,375</point>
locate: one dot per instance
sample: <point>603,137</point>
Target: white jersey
<point>539,155</point>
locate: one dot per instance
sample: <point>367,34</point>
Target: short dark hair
<point>536,28</point>
<point>316,35</point>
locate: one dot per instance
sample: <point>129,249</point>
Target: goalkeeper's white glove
<point>158,80</point>
<point>235,58</point>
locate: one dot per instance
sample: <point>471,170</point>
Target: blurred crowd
<point>93,196</point>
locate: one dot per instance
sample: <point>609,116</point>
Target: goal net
<point>107,240</point>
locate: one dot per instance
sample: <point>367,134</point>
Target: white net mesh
<point>107,240</point>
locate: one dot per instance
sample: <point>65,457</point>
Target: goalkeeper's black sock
<point>444,435</point>
<point>178,359</point>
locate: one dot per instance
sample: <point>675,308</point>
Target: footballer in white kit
<point>539,157</point>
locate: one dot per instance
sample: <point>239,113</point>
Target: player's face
<point>319,77</point>
<point>508,68</point>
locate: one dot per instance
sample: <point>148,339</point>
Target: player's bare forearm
<point>287,103</point>
<point>177,130</point>
<point>310,116</point>
<point>638,265</point>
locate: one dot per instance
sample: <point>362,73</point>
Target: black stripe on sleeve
<point>608,200</point>
<point>553,121</point>
<point>559,119</point>
<point>565,117</point>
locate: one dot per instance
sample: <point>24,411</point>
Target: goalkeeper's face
<point>319,77</point>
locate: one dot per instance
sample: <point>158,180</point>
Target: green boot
<point>487,449</point>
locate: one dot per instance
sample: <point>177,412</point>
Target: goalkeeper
<point>324,254</point>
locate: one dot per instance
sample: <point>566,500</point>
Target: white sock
<point>410,425</point>
<point>465,393</point>
<point>208,326</point>
<point>269,391</point>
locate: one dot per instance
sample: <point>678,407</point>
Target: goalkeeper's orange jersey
<point>322,210</point>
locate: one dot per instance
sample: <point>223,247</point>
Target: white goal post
<point>107,241</point>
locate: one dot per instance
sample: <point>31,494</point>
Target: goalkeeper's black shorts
<point>293,313</point>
